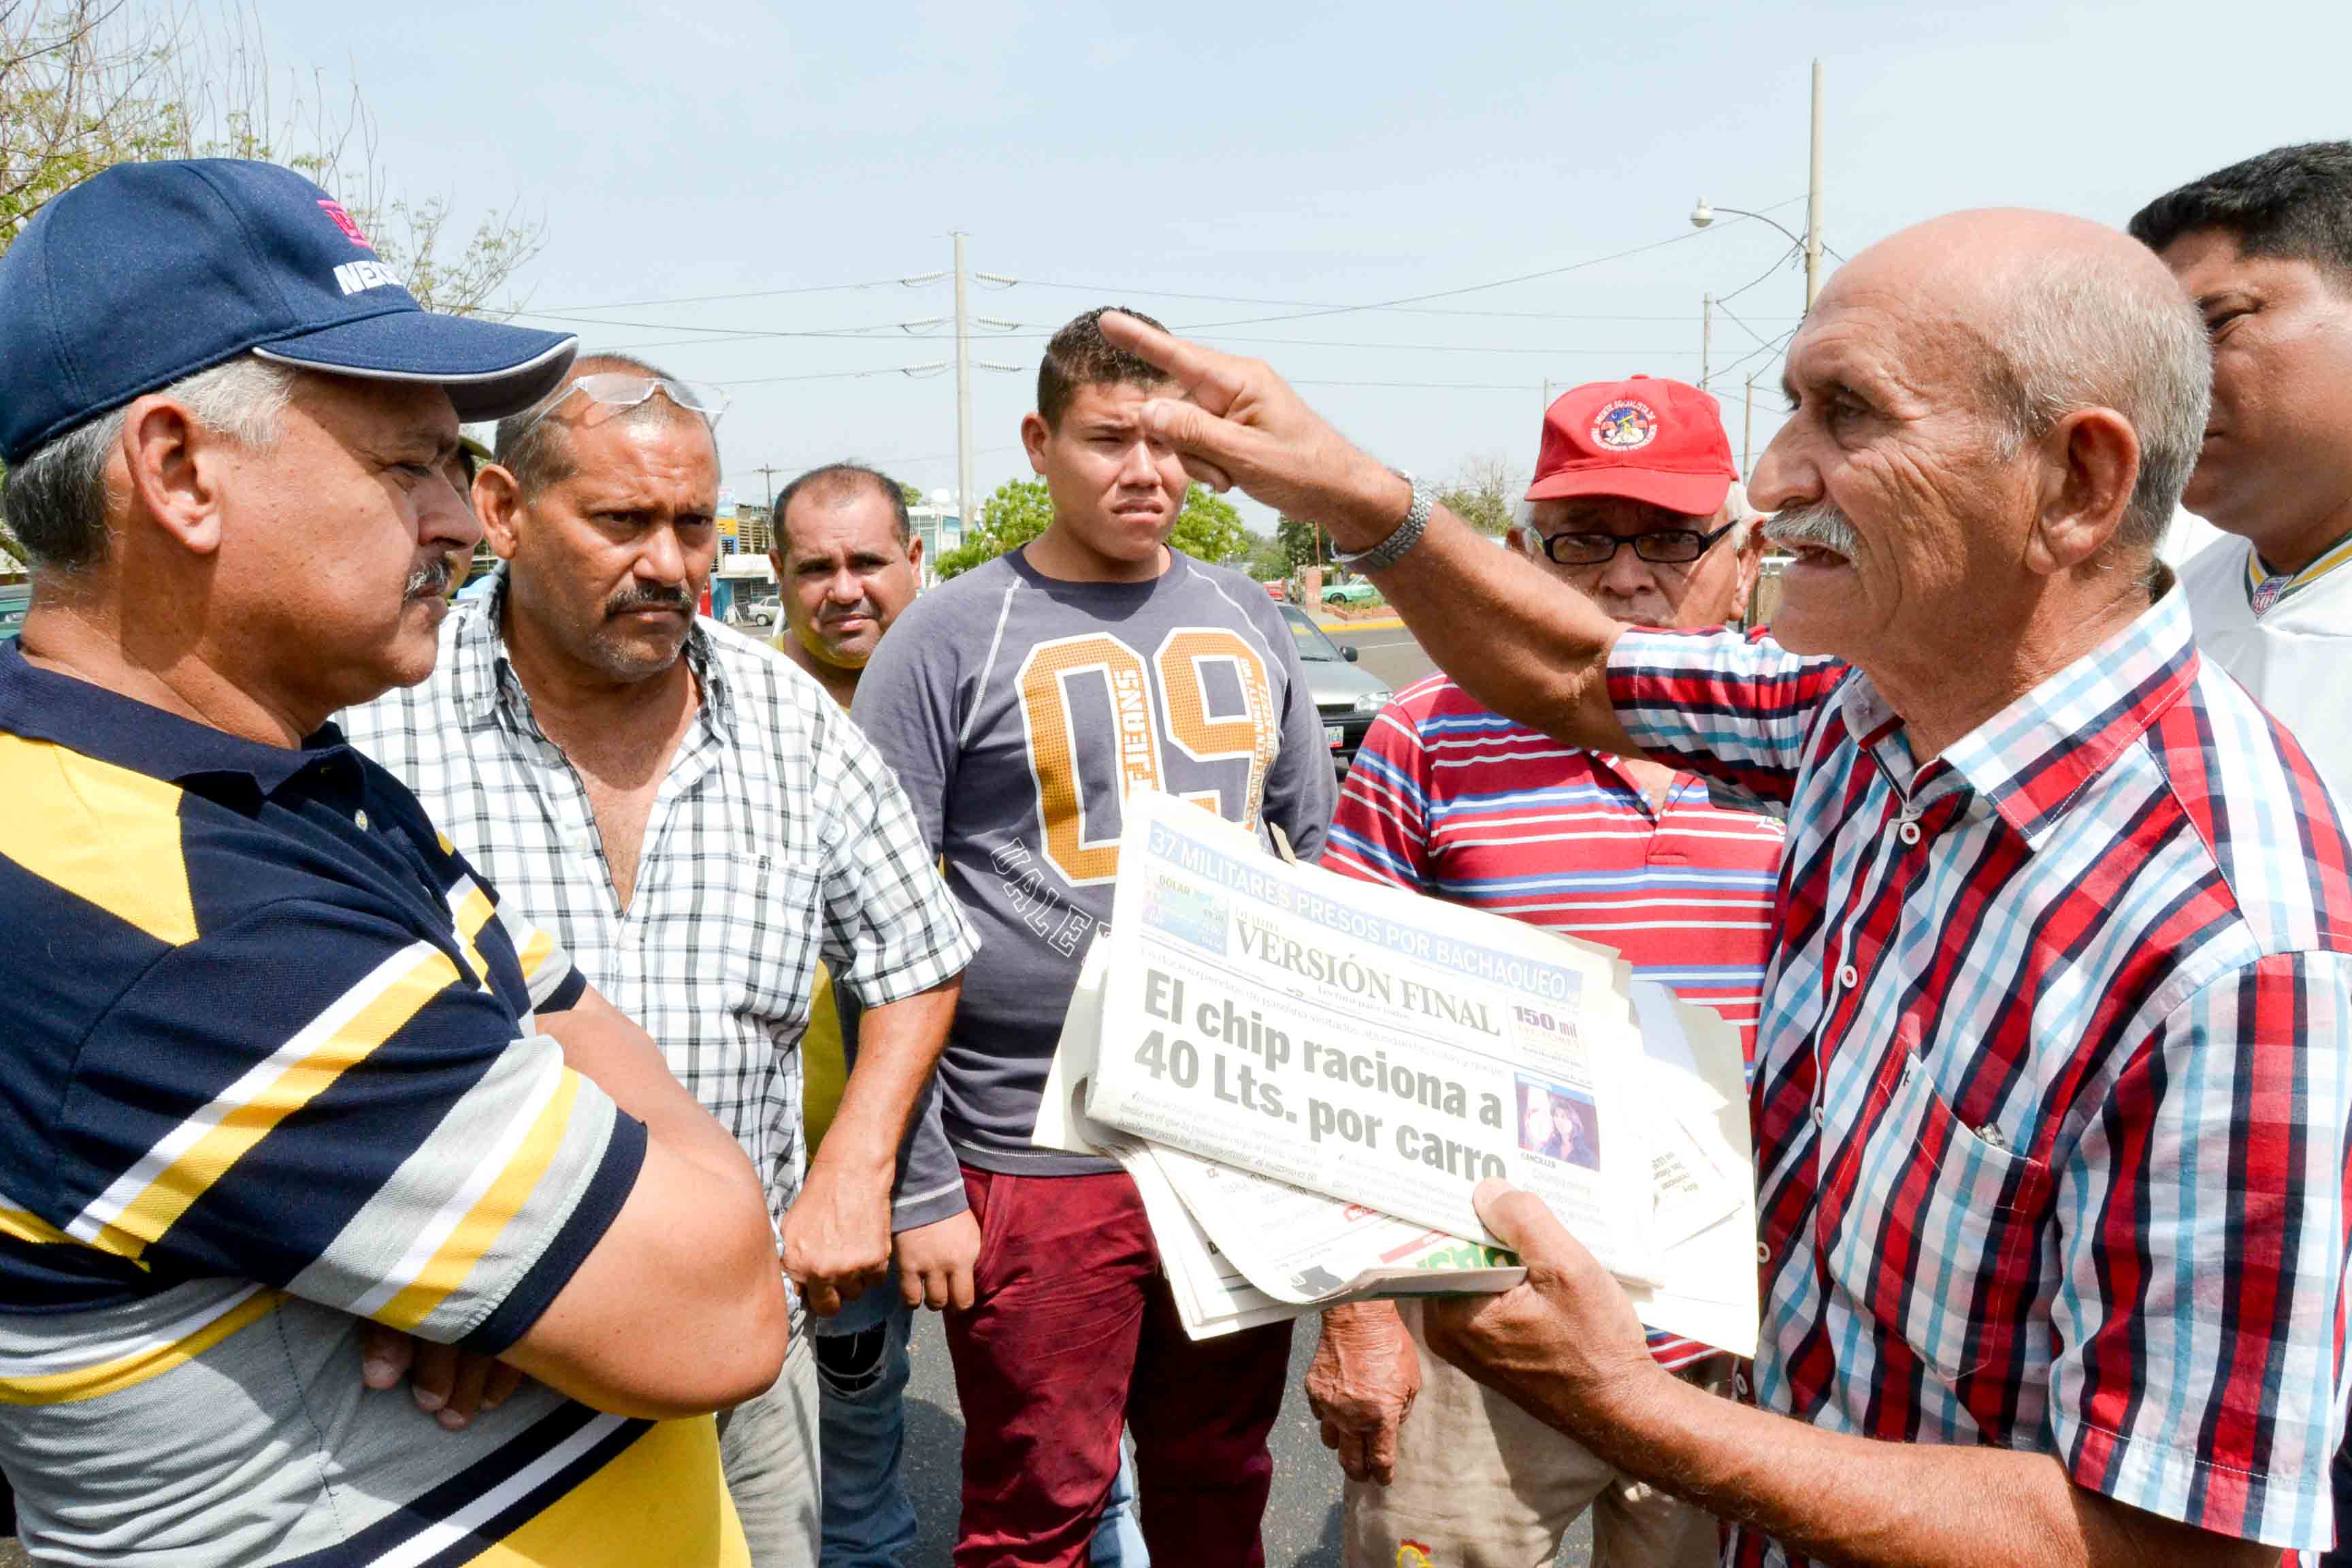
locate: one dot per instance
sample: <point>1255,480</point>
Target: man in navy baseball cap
<point>150,272</point>
<point>216,386</point>
<point>281,1062</point>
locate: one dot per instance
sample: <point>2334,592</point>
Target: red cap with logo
<point>1647,438</point>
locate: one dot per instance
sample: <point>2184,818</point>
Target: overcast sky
<point>1289,159</point>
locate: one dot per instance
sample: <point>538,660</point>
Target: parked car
<point>1278,589</point>
<point>1356,592</point>
<point>13,598</point>
<point>1348,698</point>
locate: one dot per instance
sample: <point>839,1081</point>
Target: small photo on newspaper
<point>1557,1122</point>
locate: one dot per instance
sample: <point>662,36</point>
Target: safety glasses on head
<point>624,389</point>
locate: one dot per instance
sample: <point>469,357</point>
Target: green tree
<point>914,493</point>
<point>1017,511</point>
<point>1302,541</point>
<point>1482,493</point>
<point>86,84</point>
<point>1208,529</point>
<point>1269,559</point>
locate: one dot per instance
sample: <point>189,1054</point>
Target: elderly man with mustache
<point>2052,1083</point>
<point>701,824</point>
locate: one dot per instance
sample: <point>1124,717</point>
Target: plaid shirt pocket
<point>1940,1238</point>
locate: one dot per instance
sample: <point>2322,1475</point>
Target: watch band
<point>1391,550</point>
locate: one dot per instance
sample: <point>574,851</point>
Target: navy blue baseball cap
<point>145,273</point>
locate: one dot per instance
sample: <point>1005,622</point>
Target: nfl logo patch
<point>1627,425</point>
<point>2268,594</point>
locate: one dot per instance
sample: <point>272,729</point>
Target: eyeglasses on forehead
<point>624,389</point>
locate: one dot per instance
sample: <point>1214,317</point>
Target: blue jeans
<point>869,1523</point>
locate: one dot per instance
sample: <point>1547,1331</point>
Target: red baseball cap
<point>1648,438</point>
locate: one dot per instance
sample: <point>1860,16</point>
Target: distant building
<point>938,526</point>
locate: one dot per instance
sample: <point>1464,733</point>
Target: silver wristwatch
<point>1391,550</point>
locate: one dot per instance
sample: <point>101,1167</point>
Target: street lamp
<point>1703,214</point>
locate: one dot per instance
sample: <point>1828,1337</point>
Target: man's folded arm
<point>313,1098</point>
<point>680,1306</point>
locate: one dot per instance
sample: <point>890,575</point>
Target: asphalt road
<point>1388,652</point>
<point>1302,1518</point>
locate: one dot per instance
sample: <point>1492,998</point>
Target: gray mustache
<point>431,580</point>
<point>1823,526</point>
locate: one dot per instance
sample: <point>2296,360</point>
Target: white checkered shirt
<point>779,838</point>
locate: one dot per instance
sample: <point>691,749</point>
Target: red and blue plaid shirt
<point>2054,1070</point>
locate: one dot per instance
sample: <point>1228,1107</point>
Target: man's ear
<point>1033,432</point>
<point>1751,562</point>
<point>498,502</point>
<point>2091,463</point>
<point>174,466</point>
<point>915,553</point>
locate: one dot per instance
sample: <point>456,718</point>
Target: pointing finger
<point>1207,443</point>
<point>1208,378</point>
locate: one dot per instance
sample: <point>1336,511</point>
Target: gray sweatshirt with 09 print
<point>1018,709</point>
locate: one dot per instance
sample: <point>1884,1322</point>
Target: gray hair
<point>2082,332</point>
<point>56,502</point>
<point>1737,511</point>
<point>538,450</point>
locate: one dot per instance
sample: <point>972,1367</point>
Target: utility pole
<point>1705,336</point>
<point>1547,407</point>
<point>1812,202</point>
<point>768,472</point>
<point>1747,429</point>
<point>964,394</point>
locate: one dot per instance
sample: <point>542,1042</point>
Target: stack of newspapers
<point>1308,1076</point>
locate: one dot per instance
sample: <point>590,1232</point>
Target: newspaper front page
<point>1365,1044</point>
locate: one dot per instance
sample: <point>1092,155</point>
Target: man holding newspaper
<point>2051,1094</point>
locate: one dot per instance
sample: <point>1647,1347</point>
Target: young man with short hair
<point>1634,502</point>
<point>1019,703</point>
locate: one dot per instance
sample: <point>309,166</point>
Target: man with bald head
<point>2051,1085</point>
<point>702,824</point>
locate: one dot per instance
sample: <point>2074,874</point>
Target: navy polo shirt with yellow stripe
<point>271,1069</point>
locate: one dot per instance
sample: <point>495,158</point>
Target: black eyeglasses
<point>1666,547</point>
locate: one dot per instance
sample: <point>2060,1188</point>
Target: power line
<point>1317,309</point>
<point>1773,350</point>
<point>1041,333</point>
<point>750,294</point>
<point>1794,250</point>
<point>912,371</point>
<point>1101,288</point>
<point>1742,325</point>
<point>721,333</point>
<point>1450,294</point>
<point>1307,307</point>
